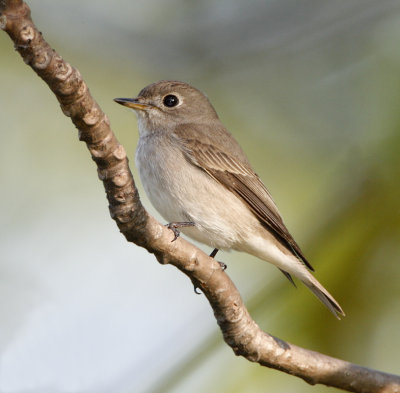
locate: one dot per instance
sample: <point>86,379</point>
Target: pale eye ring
<point>170,100</point>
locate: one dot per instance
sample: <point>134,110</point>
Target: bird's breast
<point>159,164</point>
<point>180,191</point>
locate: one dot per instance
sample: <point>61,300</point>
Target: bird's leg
<point>175,225</point>
<point>214,253</point>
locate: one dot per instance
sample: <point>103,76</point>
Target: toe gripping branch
<point>222,264</point>
<point>174,228</point>
<point>175,225</point>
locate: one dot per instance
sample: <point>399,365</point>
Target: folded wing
<point>234,172</point>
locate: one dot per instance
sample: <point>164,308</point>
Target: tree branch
<point>238,328</point>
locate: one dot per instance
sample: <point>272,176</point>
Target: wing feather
<point>234,172</point>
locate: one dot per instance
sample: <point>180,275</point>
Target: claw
<point>223,265</point>
<point>195,288</point>
<point>174,230</point>
<point>175,225</point>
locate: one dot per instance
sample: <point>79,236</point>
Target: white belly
<point>182,192</point>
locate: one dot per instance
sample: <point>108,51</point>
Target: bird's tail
<point>322,294</point>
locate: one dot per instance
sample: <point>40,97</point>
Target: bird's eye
<point>170,100</point>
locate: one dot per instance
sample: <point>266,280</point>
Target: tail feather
<point>289,277</point>
<point>322,294</point>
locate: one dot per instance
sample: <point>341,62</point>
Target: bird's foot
<point>223,267</point>
<point>175,225</point>
<point>196,287</point>
<point>196,290</point>
<point>222,264</point>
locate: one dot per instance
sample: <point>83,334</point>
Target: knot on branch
<point>42,60</point>
<point>62,71</point>
<point>14,10</point>
<point>27,34</point>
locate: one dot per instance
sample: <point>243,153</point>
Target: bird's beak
<point>132,103</point>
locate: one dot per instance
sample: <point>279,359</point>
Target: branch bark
<point>239,330</point>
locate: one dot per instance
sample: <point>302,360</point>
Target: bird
<point>199,179</point>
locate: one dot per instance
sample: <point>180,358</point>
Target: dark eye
<point>170,100</point>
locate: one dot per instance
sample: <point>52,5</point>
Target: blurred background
<point>310,89</point>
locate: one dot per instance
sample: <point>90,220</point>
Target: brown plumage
<point>193,170</point>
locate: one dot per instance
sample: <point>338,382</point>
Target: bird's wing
<point>234,172</point>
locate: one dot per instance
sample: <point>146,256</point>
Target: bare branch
<point>238,328</point>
